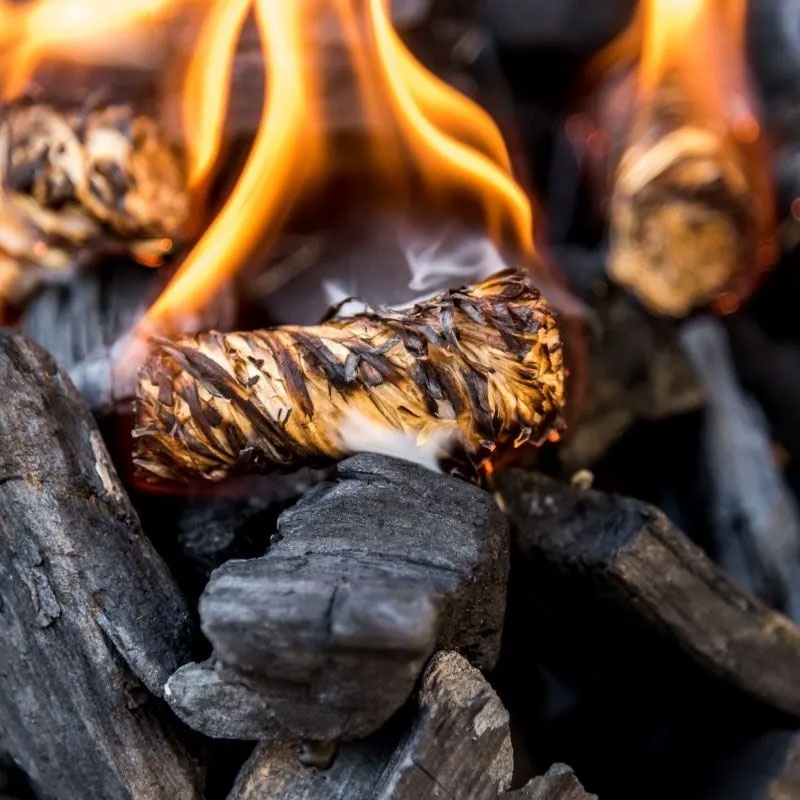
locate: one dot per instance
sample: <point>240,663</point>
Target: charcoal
<point>559,783</point>
<point>755,519</point>
<point>83,323</point>
<point>621,564</point>
<point>637,369</point>
<point>333,625</point>
<point>458,744</point>
<point>91,622</point>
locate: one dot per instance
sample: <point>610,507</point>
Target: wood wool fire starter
<point>481,366</point>
<point>688,212</point>
<point>76,185</point>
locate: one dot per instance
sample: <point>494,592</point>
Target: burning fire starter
<point>684,221</point>
<point>75,185</point>
<point>691,210</point>
<point>483,364</point>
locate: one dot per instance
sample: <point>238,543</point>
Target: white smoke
<point>447,258</point>
<point>358,434</point>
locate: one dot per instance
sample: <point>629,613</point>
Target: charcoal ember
<point>621,569</point>
<point>558,783</point>
<point>457,744</point>
<point>755,519</point>
<point>564,24</point>
<point>91,621</point>
<point>637,368</point>
<point>364,577</point>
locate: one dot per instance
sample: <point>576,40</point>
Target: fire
<point>437,135</point>
<point>87,31</point>
<point>699,46</point>
<point>691,214</point>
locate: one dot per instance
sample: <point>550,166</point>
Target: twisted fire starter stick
<point>75,185</point>
<point>483,365</point>
<point>688,212</point>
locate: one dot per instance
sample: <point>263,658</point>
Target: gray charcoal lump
<point>452,741</point>
<point>90,619</point>
<point>633,563</point>
<point>327,633</point>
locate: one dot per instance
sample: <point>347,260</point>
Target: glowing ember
<point>437,135</point>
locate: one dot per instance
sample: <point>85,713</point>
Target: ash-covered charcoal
<point>687,213</point>
<point>78,184</point>
<point>754,517</point>
<point>457,744</point>
<point>620,567</point>
<point>481,366</point>
<point>325,635</point>
<point>90,620</point>
<point>559,783</point>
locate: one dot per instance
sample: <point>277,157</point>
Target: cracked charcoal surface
<point>326,634</point>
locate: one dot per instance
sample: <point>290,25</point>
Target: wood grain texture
<point>457,745</point>
<point>90,619</point>
<point>636,565</point>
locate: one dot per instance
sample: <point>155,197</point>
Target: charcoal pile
<point>400,400</point>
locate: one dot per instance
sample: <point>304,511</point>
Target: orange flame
<point>699,46</point>
<point>82,31</point>
<point>445,137</point>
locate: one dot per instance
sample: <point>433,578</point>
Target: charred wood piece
<point>755,519</point>
<point>481,366</point>
<point>83,184</point>
<point>629,562</point>
<point>559,783</point>
<point>90,619</point>
<point>458,744</point>
<point>326,634</point>
<point>639,370</point>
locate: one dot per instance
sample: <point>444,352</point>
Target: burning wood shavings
<point>482,365</point>
<point>76,185</point>
<point>684,222</point>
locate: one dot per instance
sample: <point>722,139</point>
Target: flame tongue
<point>691,210</point>
<point>438,137</point>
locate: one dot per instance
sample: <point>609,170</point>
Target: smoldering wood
<point>627,563</point>
<point>90,619</point>
<point>457,744</point>
<point>755,519</point>
<point>558,783</point>
<point>330,629</point>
